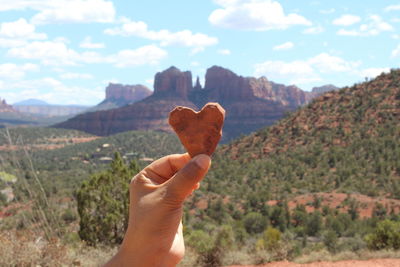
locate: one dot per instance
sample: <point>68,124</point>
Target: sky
<point>67,51</point>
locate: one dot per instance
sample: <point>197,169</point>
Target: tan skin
<point>157,193</point>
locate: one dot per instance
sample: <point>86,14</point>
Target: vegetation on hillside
<point>343,142</point>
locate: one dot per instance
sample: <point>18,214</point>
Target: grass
<point>324,255</point>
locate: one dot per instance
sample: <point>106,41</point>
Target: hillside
<point>344,141</point>
<point>66,157</point>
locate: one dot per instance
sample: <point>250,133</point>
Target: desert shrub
<point>386,235</point>
<point>254,222</point>
<point>211,250</point>
<point>330,240</point>
<point>69,216</point>
<point>103,203</point>
<point>270,239</point>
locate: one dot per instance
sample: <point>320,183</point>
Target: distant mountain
<point>4,107</point>
<point>31,102</point>
<point>51,110</point>
<point>119,95</point>
<point>251,103</point>
<point>324,89</point>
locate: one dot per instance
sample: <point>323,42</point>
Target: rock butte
<point>251,103</point>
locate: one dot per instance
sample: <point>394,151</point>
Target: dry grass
<point>324,255</point>
<point>26,249</point>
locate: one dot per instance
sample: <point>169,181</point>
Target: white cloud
<point>7,43</point>
<point>327,63</point>
<point>396,51</point>
<point>314,30</point>
<point>72,76</point>
<point>284,46</point>
<point>295,71</point>
<point>64,11</point>
<point>52,91</point>
<point>256,15</point>
<point>224,52</point>
<point>58,54</point>
<point>392,8</point>
<point>375,26</point>
<point>150,81</point>
<point>304,71</point>
<point>327,11</point>
<point>346,20</point>
<point>20,29</point>
<point>144,55</point>
<point>194,63</point>
<point>87,43</point>
<point>48,53</point>
<point>198,41</point>
<point>371,73</point>
<point>14,71</point>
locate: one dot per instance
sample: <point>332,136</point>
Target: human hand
<point>154,235</point>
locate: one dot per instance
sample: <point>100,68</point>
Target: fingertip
<point>203,161</point>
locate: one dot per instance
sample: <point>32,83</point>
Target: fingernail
<point>203,161</point>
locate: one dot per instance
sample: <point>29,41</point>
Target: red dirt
<point>334,201</point>
<point>348,263</point>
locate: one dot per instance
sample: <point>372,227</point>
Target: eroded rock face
<point>250,103</point>
<point>325,88</point>
<point>129,93</point>
<point>223,84</point>
<point>173,82</point>
<point>4,107</point>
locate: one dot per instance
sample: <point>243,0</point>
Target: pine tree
<point>103,202</point>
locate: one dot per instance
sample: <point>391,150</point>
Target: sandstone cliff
<point>323,89</point>
<point>4,107</point>
<point>170,90</point>
<point>119,95</point>
<point>251,103</point>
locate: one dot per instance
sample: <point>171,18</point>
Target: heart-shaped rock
<point>200,131</point>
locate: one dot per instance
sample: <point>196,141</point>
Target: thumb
<point>184,181</point>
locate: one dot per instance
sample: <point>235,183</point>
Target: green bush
<point>385,236</point>
<point>254,222</point>
<point>270,240</point>
<point>103,203</point>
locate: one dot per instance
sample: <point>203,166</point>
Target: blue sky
<point>67,51</point>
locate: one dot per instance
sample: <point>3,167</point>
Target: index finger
<point>164,168</point>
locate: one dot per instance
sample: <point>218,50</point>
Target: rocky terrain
<point>251,103</point>
<point>323,89</point>
<point>170,89</point>
<point>119,95</point>
<point>4,107</point>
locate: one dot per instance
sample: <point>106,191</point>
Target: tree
<point>330,239</point>
<point>314,224</point>
<point>386,235</point>
<point>254,222</point>
<point>103,202</point>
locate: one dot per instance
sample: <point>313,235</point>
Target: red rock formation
<point>130,93</point>
<point>4,107</point>
<point>173,82</point>
<point>224,84</point>
<point>250,103</point>
<point>171,90</point>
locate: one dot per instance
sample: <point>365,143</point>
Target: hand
<point>154,235</point>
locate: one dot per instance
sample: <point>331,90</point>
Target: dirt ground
<point>348,263</point>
